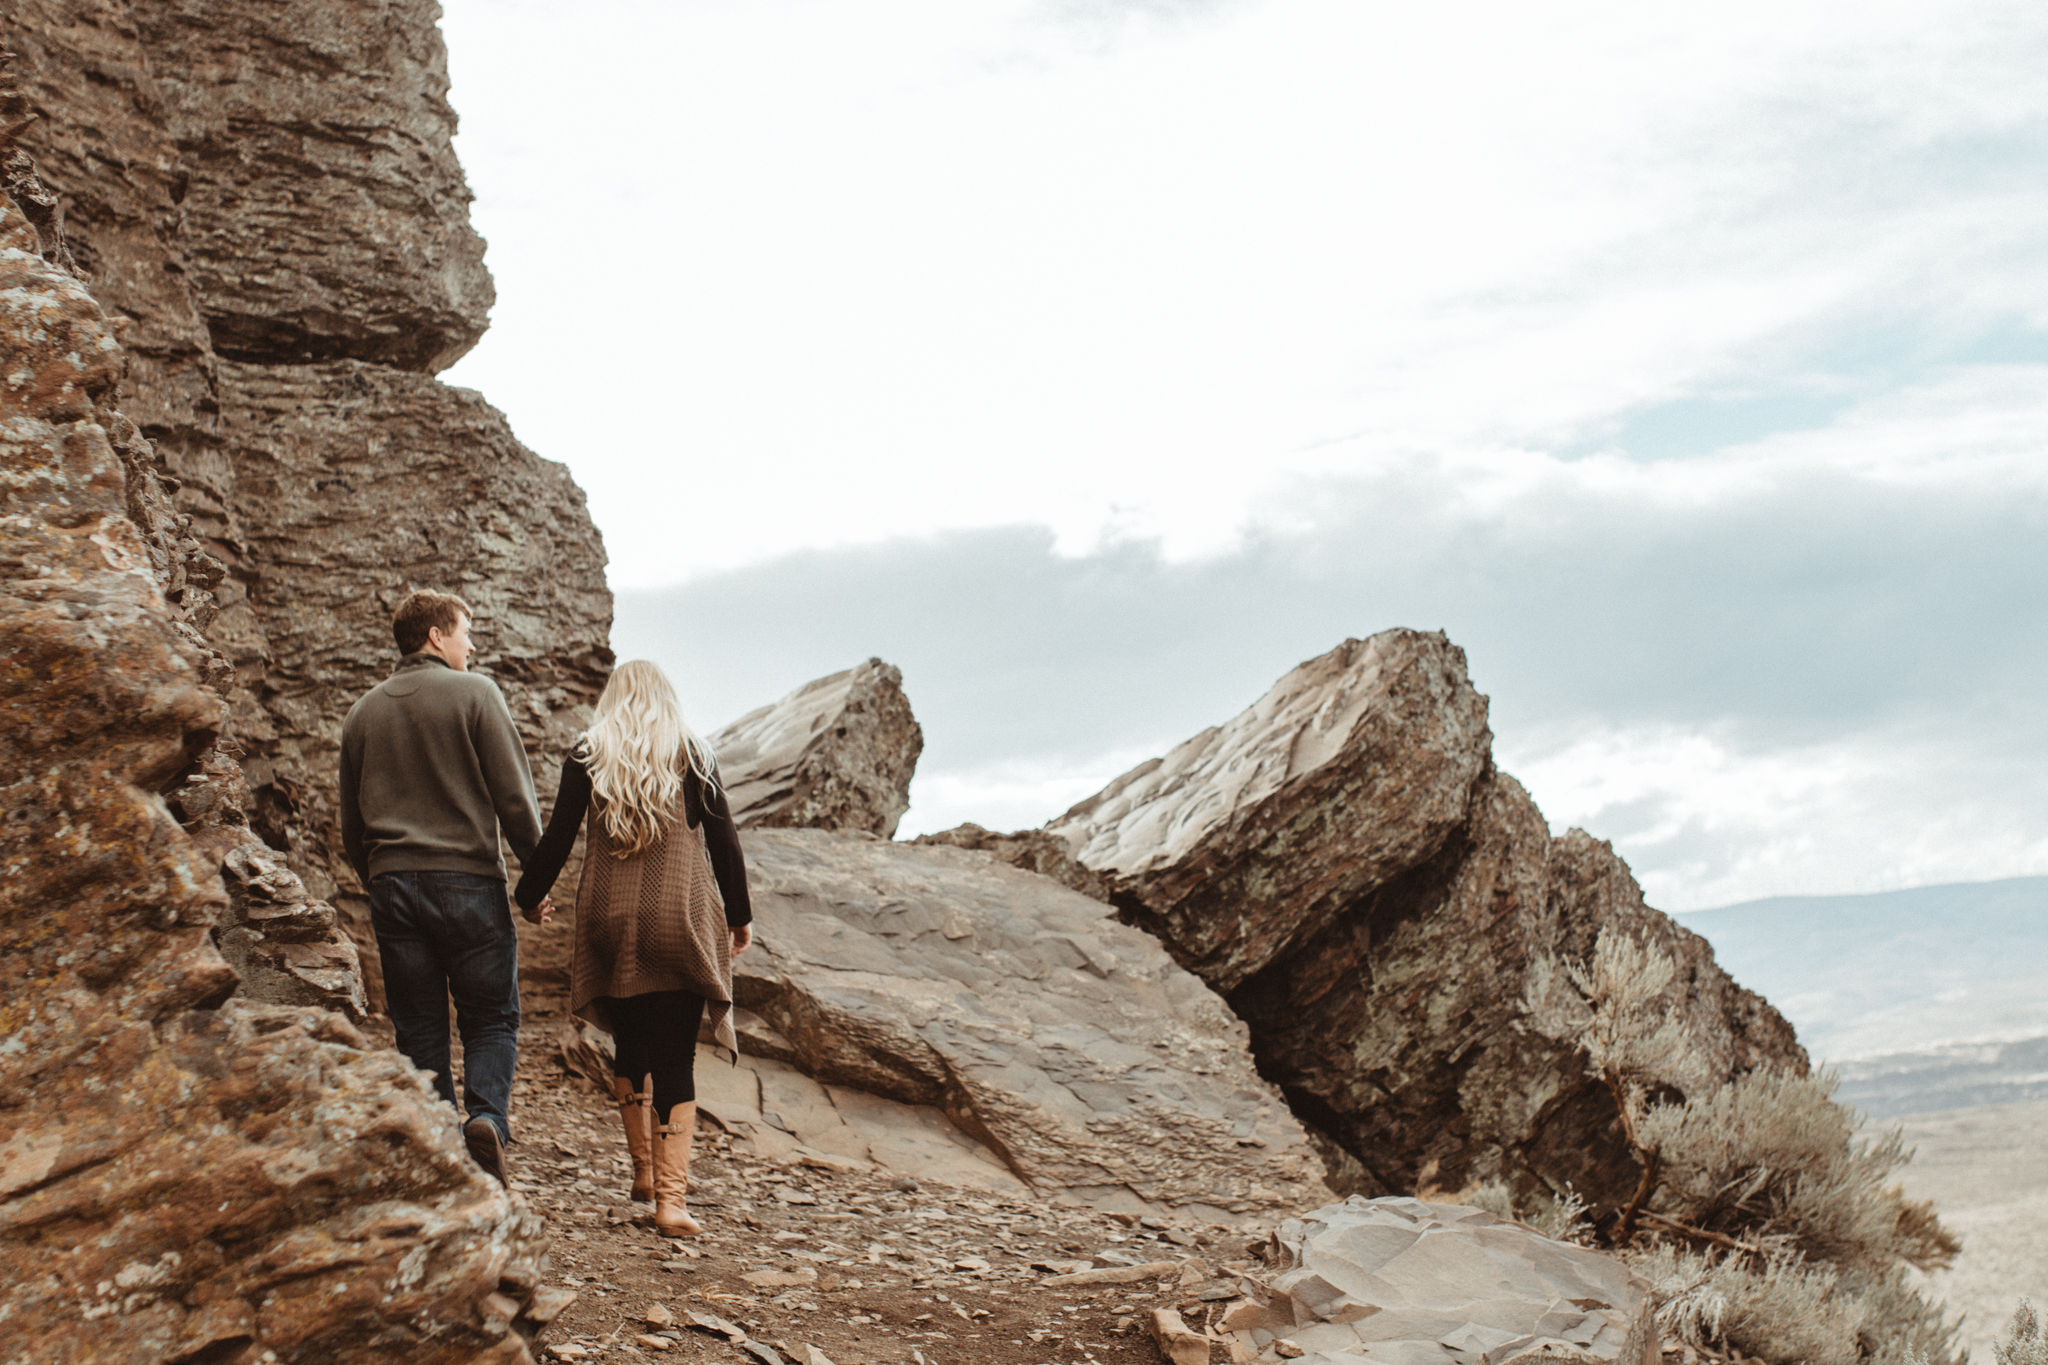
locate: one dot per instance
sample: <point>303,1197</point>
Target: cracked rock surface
<point>1068,1044</point>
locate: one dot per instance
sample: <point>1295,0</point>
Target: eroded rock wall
<point>182,1176</point>
<point>357,482</point>
<point>267,199</point>
<point>325,215</point>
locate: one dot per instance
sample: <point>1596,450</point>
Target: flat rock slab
<point>1401,1280</point>
<point>1068,1045</point>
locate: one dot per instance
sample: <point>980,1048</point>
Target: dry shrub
<point>1784,1307</point>
<point>1562,1218</point>
<point>1779,1308</point>
<point>1773,1229</point>
<point>1771,1154</point>
<point>2024,1343</point>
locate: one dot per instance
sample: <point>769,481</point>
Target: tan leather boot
<point>636,1112</point>
<point>672,1141</point>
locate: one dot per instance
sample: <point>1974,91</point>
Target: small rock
<point>826,1161</point>
<point>1176,1343</point>
<point>1287,1350</point>
<point>903,1182</point>
<point>813,1356</point>
<point>711,1322</point>
<point>653,1343</point>
<point>786,1195</point>
<point>780,1279</point>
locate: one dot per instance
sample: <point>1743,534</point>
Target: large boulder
<point>102,147</point>
<point>837,753</point>
<point>1068,1044</point>
<point>1345,864</point>
<point>182,1176</point>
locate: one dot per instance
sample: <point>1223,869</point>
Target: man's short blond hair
<point>423,611</point>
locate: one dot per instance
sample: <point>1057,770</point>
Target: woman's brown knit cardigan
<point>655,921</point>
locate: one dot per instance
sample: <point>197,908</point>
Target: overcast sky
<point>1097,362</point>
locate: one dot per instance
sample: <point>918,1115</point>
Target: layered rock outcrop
<point>267,199</point>
<point>1346,865</point>
<point>837,753</point>
<point>1070,1045</point>
<point>325,216</point>
<point>182,1176</point>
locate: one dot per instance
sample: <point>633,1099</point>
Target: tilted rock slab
<point>837,753</point>
<point>1068,1044</point>
<point>1371,1281</point>
<point>1355,767</point>
<point>1346,865</point>
<point>178,1180</point>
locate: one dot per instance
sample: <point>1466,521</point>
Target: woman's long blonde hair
<point>638,746</point>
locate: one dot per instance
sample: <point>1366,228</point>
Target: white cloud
<point>1704,822</point>
<point>1685,366</point>
<point>791,275</point>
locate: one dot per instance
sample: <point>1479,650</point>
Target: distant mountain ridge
<point>1930,998</point>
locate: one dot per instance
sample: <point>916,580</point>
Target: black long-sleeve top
<point>703,804</point>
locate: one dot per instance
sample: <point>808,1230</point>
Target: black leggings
<point>657,1032</point>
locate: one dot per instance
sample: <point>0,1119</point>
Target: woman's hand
<point>542,913</point>
<point>742,938</point>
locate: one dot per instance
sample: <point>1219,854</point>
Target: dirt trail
<point>849,1263</point>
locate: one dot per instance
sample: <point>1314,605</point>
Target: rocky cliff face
<point>265,206</point>
<point>182,1176</point>
<point>1346,866</point>
<point>267,201</point>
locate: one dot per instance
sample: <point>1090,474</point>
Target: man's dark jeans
<point>439,932</point>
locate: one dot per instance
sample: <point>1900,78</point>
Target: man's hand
<point>542,913</point>
<point>742,938</point>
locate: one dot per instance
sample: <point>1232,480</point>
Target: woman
<point>661,911</point>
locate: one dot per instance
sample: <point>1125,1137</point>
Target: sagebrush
<point>1764,1223</point>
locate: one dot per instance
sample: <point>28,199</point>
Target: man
<point>432,771</point>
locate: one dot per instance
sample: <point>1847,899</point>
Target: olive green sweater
<point>431,771</point>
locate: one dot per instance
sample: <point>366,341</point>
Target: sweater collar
<point>423,658</point>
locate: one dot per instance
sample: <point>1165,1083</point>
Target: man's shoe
<point>481,1135</point>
